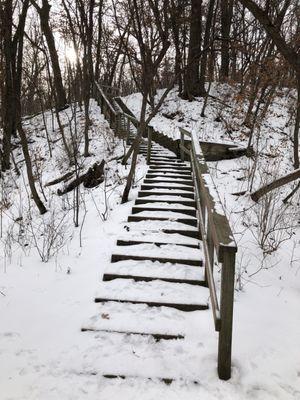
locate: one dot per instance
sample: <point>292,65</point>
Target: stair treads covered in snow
<point>154,291</point>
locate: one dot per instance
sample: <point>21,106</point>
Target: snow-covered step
<point>169,163</point>
<point>152,270</point>
<point>163,216</point>
<point>162,226</point>
<point>158,239</point>
<point>163,158</point>
<point>169,174</point>
<point>170,253</point>
<point>181,296</point>
<point>174,181</point>
<point>156,336</point>
<point>165,199</point>
<point>167,168</point>
<point>166,192</point>
<point>169,185</point>
<point>128,317</point>
<point>165,206</point>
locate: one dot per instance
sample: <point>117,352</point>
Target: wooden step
<point>154,181</point>
<point>132,242</point>
<point>123,257</point>
<point>163,158</point>
<point>186,211</point>
<point>155,293</point>
<point>109,277</point>
<point>187,221</point>
<point>168,168</point>
<point>148,270</point>
<point>145,200</point>
<point>156,336</point>
<point>157,238</point>
<point>166,381</point>
<point>168,174</point>
<point>145,193</point>
<point>159,185</point>
<point>177,306</point>
<point>171,253</point>
<point>170,164</point>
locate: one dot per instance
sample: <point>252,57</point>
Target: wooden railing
<point>217,239</point>
<point>123,124</point>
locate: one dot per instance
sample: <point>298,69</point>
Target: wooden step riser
<point>168,164</point>
<point>167,168</point>
<point>111,277</point>
<point>169,174</point>
<point>179,182</point>
<point>144,200</point>
<point>156,336</point>
<point>180,307</point>
<point>165,158</point>
<point>123,257</point>
<point>192,213</point>
<point>166,381</point>
<point>153,193</point>
<point>186,221</point>
<point>122,242</point>
<point>154,187</point>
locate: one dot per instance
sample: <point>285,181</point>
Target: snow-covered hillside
<point>43,353</point>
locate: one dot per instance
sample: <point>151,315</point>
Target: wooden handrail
<point>105,98</point>
<point>217,238</point>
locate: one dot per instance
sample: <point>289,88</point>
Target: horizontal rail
<point>105,98</point>
<point>217,238</point>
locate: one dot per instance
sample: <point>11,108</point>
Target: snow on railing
<point>217,237</point>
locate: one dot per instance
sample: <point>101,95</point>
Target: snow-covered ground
<point>43,353</point>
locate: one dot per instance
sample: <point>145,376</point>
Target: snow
<point>155,269</point>
<point>43,306</point>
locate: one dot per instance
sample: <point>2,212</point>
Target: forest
<point>149,199</point>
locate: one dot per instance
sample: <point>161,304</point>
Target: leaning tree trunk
<point>141,130</point>
<point>22,134</point>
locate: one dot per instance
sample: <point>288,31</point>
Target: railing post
<point>226,311</point>
<point>149,144</point>
<point>210,247</point>
<point>181,146</point>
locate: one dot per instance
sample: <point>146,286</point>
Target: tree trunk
<point>207,36</point>
<point>297,127</point>
<point>8,107</point>
<point>226,17</point>
<point>191,76</point>
<point>275,184</point>
<point>44,11</point>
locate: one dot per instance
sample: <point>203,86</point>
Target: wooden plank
<point>177,306</point>
<point>156,336</point>
<point>145,193</point>
<point>121,257</point>
<point>225,336</point>
<point>137,278</point>
<point>186,211</point>
<point>187,221</point>
<point>129,242</point>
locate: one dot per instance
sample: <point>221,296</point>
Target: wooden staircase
<point>160,283</point>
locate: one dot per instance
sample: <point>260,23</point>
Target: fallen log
<point>93,177</point>
<point>64,178</point>
<point>292,176</point>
